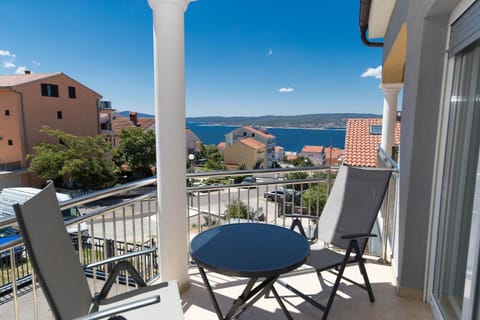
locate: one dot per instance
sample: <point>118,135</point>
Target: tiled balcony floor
<point>351,302</point>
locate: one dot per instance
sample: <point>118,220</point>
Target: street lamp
<point>191,157</point>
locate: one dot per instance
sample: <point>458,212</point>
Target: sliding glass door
<point>453,246</point>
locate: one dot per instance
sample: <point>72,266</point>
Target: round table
<point>252,250</point>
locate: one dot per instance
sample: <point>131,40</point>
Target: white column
<point>390,92</point>
<point>169,64</point>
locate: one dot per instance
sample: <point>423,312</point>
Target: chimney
<point>133,118</point>
<point>27,71</point>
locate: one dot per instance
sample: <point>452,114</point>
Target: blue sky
<point>248,57</point>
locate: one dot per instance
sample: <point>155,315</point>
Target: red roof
<point>360,145</point>
<point>312,149</point>
<point>119,123</point>
<point>252,143</point>
<point>221,146</point>
<point>11,80</point>
<point>258,132</point>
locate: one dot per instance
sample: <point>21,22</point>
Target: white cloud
<point>35,62</point>
<point>373,72</point>
<point>269,52</point>
<point>286,89</point>
<point>6,53</point>
<point>8,65</point>
<point>20,70</point>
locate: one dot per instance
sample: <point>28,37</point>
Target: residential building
<point>431,49</point>
<point>28,102</point>
<point>120,123</point>
<point>315,154</point>
<point>248,152</point>
<point>105,117</point>
<point>333,156</point>
<point>221,146</point>
<point>248,132</point>
<point>362,138</point>
<point>279,153</point>
<point>194,144</point>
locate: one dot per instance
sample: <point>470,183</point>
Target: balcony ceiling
<point>380,13</point>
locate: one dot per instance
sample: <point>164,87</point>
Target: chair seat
<point>168,307</point>
<point>325,258</point>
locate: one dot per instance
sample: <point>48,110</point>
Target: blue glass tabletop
<point>249,249</point>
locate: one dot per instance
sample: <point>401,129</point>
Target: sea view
<point>291,139</point>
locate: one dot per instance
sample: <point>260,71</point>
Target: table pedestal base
<point>248,297</point>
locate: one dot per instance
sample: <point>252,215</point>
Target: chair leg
<point>363,270</point>
<point>337,282</point>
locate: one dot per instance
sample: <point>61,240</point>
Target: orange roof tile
<point>291,157</point>
<point>221,146</point>
<point>333,153</point>
<point>119,123</point>
<point>11,80</point>
<point>312,149</point>
<point>252,143</point>
<point>360,145</point>
<point>258,132</point>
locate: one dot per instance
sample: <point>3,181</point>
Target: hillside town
<point>30,101</point>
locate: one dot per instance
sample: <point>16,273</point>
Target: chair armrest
<point>120,257</point>
<point>358,236</point>
<point>122,308</point>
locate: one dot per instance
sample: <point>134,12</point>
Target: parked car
<point>283,195</point>
<point>274,195</point>
<point>8,234</point>
<point>9,196</point>
<point>249,180</point>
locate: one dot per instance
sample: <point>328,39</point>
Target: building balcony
<point>125,218</point>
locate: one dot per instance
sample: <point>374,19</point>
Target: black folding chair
<point>345,224</point>
<point>62,277</point>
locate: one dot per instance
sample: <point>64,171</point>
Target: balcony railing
<point>119,221</point>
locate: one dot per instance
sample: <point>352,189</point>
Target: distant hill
<point>318,120</point>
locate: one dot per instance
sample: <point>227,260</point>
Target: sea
<point>291,139</point>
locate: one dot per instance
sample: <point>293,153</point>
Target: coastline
<point>267,127</point>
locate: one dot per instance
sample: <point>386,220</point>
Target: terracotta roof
<point>312,149</point>
<point>278,148</point>
<point>291,157</point>
<point>360,145</point>
<point>11,80</point>
<point>258,132</point>
<point>252,143</point>
<point>221,146</point>
<point>334,152</point>
<point>119,123</point>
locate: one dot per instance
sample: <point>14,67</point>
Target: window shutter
<point>465,30</point>
<point>44,89</point>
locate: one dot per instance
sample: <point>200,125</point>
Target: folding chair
<point>62,277</point>
<point>345,223</point>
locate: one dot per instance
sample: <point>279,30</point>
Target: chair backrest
<point>353,204</point>
<point>53,256</point>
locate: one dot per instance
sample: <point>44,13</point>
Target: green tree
<point>137,150</point>
<point>213,157</point>
<point>315,197</point>
<point>297,176</point>
<point>82,160</point>
<point>238,209</point>
<point>302,161</point>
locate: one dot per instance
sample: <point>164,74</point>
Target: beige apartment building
<point>248,152</point>
<point>29,101</point>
